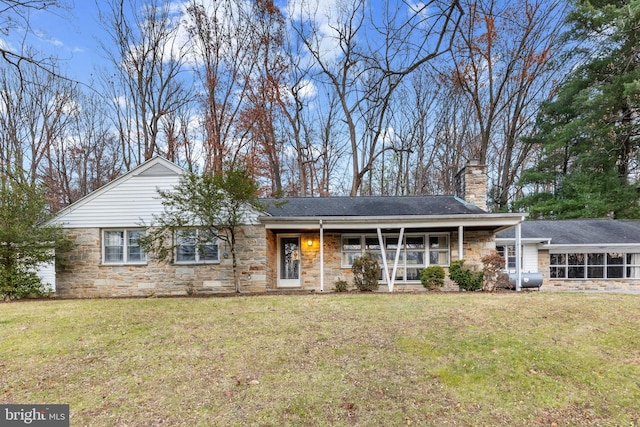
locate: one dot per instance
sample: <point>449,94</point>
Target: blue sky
<point>72,35</point>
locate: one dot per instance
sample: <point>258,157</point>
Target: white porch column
<point>460,242</point>
<point>321,257</point>
<point>518,257</point>
<point>385,267</point>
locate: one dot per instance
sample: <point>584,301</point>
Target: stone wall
<point>81,274</point>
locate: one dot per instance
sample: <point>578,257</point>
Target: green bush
<point>340,286</point>
<point>465,278</point>
<point>366,271</point>
<point>18,282</point>
<point>432,277</point>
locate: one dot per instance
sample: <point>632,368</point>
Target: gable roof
<point>380,211</point>
<point>126,201</point>
<point>574,232</point>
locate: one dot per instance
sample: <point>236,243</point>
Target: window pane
<point>209,252</point>
<point>615,259</point>
<point>575,259</point>
<point>413,273</point>
<point>576,272</point>
<point>113,254</point>
<point>414,242</point>
<point>371,243</point>
<point>438,258</point>
<point>186,246</point>
<point>558,272</point>
<point>438,242</point>
<point>415,258</point>
<point>391,243</point>
<point>348,257</point>
<point>114,238</point>
<point>615,272</point>
<point>134,252</point>
<point>558,259</point>
<point>114,246</point>
<point>595,259</point>
<point>351,244</point>
<point>595,272</point>
<point>633,259</point>
<point>633,272</point>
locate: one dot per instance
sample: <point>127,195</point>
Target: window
<point>508,252</point>
<point>414,253</point>
<point>193,246</point>
<point>122,247</point>
<point>594,265</point>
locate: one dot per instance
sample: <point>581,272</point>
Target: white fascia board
<point>406,221</point>
<point>616,247</point>
<point>511,240</point>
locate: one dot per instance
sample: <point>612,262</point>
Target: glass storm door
<point>289,261</point>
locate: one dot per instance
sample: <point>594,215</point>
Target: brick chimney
<point>471,184</point>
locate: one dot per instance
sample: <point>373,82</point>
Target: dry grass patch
<point>343,359</point>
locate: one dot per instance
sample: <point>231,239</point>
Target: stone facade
<point>476,245</point>
<point>81,273</point>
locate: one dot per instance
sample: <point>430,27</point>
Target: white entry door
<point>288,261</point>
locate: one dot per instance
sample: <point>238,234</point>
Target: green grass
<point>341,359</point>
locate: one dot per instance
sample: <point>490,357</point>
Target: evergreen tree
<point>589,131</point>
<point>25,240</point>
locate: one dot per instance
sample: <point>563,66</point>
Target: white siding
<point>131,203</point>
<point>47,274</point>
<point>530,258</point>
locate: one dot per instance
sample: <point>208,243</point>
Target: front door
<point>289,261</point>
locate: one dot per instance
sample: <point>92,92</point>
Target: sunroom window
<point>594,265</point>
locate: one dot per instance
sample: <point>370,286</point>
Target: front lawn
<point>340,359</point>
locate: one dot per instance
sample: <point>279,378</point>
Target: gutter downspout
<point>460,242</point>
<point>321,257</point>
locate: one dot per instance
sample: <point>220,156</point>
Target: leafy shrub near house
<point>465,278</point>
<point>432,277</point>
<point>340,286</point>
<point>365,272</point>
<point>494,275</point>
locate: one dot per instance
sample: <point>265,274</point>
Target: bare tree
<point>504,65</point>
<point>365,75</point>
<point>148,61</point>
<point>15,18</point>
<point>223,44</point>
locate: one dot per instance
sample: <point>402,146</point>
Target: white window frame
<point>125,247</point>
<point>359,246</point>
<point>197,253</point>
<point>630,265</point>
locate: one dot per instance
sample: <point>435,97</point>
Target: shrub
<point>494,275</point>
<point>340,286</point>
<point>465,278</point>
<point>366,271</point>
<point>432,277</point>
